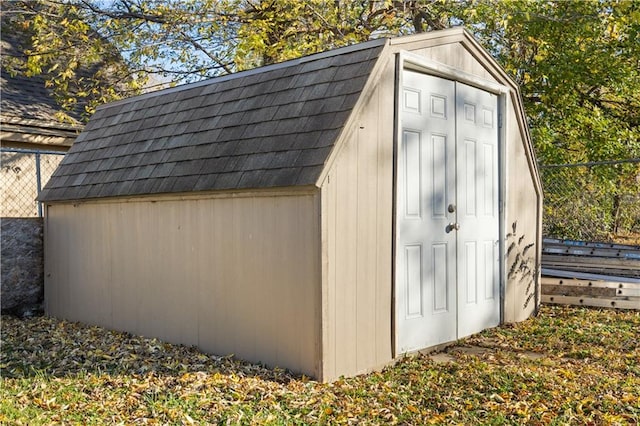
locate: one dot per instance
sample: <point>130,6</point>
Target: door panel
<point>426,187</point>
<point>477,182</point>
<point>446,279</point>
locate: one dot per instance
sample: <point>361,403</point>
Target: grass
<point>567,366</point>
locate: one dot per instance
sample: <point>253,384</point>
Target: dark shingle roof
<point>27,100</point>
<point>269,127</point>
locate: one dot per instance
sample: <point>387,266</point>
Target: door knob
<point>450,227</point>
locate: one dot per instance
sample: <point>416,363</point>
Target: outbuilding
<point>325,215</point>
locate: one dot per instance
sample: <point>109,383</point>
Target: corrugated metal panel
<point>234,275</point>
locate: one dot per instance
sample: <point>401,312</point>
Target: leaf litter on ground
<point>565,366</point>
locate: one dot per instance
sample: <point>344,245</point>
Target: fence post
<point>38,182</point>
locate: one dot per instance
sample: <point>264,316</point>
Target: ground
<point>566,366</point>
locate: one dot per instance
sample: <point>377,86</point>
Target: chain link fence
<point>597,201</point>
<point>23,175</point>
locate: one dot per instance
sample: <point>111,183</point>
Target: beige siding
<point>455,55</point>
<point>523,211</point>
<point>357,200</point>
<point>233,275</point>
<point>448,50</point>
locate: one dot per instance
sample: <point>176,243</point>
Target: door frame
<point>411,61</point>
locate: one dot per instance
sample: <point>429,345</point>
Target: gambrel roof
<point>273,126</point>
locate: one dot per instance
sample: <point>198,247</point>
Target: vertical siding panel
<point>149,292</point>
<point>193,226</point>
<point>173,305</point>
<point>92,297</point>
<point>264,330</point>
<point>142,276</point>
<point>208,243</point>
<point>128,300</point>
<point>454,55</point>
<point>54,257</point>
<point>521,208</point>
<point>340,252</point>
<point>64,282</point>
<point>82,297</point>
<point>298,299</point>
<point>315,284</point>
<point>223,223</point>
<point>186,330</point>
<point>141,305</point>
<point>353,251</point>
<point>72,253</point>
<point>49,296</point>
<point>383,219</point>
<point>366,236</point>
<point>329,232</point>
<point>345,337</point>
<point>357,210</point>
<point>77,296</point>
<point>289,256</point>
<point>302,308</point>
<point>200,244</point>
<point>324,366</point>
<point>51,261</point>
<point>234,275</point>
<point>241,298</point>
<point>146,270</point>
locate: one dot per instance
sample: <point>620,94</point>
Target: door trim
<point>411,61</point>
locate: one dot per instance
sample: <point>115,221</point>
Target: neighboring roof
<point>273,126</point>
<point>27,106</point>
<point>26,99</point>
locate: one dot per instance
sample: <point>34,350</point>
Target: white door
<point>477,210</point>
<point>447,216</point>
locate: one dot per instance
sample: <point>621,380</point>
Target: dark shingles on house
<point>269,127</point>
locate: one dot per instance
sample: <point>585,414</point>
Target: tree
<point>82,68</point>
<point>578,66</point>
<point>179,41</point>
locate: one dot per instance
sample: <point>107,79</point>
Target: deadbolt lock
<point>451,208</point>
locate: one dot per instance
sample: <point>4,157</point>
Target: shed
<point>325,215</point>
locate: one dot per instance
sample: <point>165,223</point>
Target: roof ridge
<point>258,70</point>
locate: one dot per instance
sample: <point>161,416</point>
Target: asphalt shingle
<point>269,127</point>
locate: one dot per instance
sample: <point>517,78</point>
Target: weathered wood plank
<point>549,241</point>
<point>591,262</point>
<point>588,283</point>
<point>616,253</point>
<point>550,272</point>
<point>592,301</point>
<point>568,290</point>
